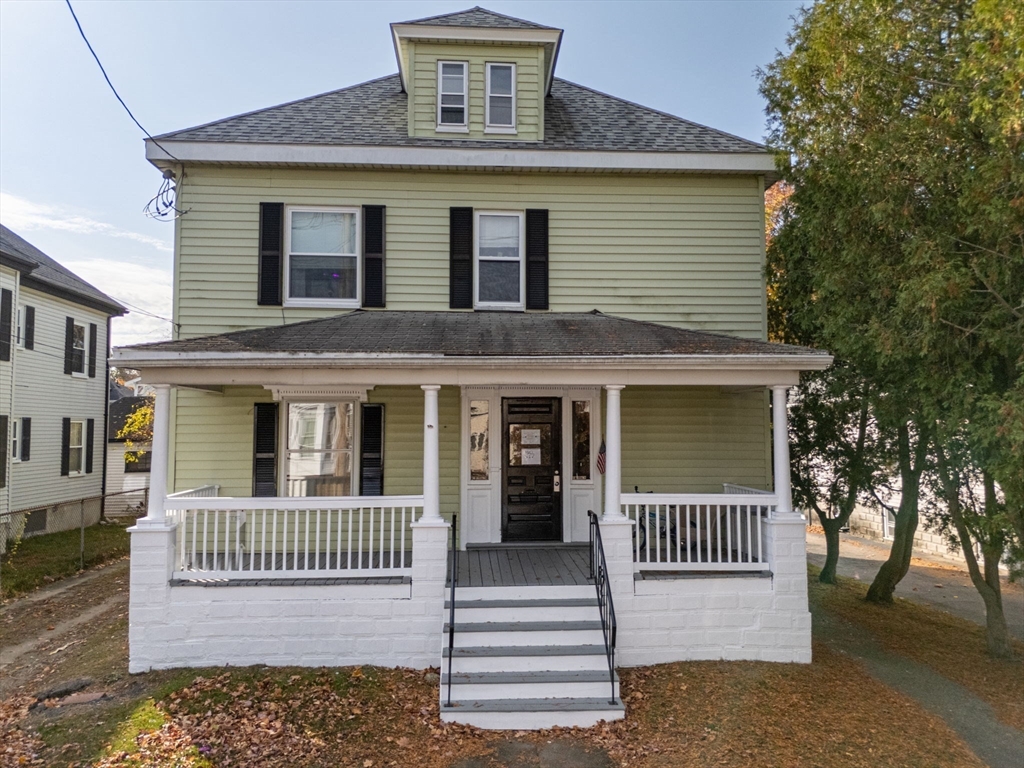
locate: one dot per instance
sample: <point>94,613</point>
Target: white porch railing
<point>202,491</point>
<point>293,537</point>
<point>698,532</point>
<point>732,488</point>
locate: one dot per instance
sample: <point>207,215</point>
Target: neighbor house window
<point>76,448</point>
<point>322,257</point>
<point>15,440</point>
<point>78,344</point>
<point>19,328</point>
<point>499,260</point>
<point>501,97</point>
<point>451,89</point>
<point>319,455</point>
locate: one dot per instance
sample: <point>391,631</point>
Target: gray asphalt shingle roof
<point>477,17</point>
<point>476,334</point>
<point>50,273</point>
<point>375,114</point>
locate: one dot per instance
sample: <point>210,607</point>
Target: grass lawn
<point>39,560</point>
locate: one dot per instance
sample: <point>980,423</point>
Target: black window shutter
<point>371,461</point>
<point>69,334</point>
<point>6,326</point>
<point>92,350</point>
<point>90,433</point>
<point>3,454</point>
<point>264,453</point>
<point>26,439</point>
<point>30,328</point>
<point>374,246</point>
<point>537,259</point>
<point>271,254</point>
<point>65,445</point>
<point>460,258</point>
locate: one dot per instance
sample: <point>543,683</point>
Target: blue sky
<point>73,178</point>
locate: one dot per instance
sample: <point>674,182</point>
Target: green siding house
<point>471,370</point>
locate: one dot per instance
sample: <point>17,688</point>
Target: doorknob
<point>558,483</point>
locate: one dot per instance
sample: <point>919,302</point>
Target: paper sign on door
<point>530,437</point>
<point>531,456</point>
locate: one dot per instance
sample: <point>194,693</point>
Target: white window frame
<point>282,431</point>
<point>19,332</point>
<point>81,470</point>
<point>521,304</point>
<point>15,439</point>
<point>84,373</point>
<point>488,126</point>
<point>462,127</point>
<point>353,303</point>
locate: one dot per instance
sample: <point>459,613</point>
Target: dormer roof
<point>477,17</point>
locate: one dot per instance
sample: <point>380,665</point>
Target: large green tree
<point>900,124</point>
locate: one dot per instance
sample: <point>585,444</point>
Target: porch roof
<point>466,337</point>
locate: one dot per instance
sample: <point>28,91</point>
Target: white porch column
<point>431,455</point>
<point>780,445</point>
<point>613,453</point>
<point>155,514</point>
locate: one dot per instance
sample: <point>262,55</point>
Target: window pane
<point>322,277</point>
<point>499,237</point>
<point>75,460</point>
<point>452,69</point>
<point>452,115</point>
<point>501,80</point>
<point>479,440</point>
<point>78,337</point>
<point>501,110</point>
<point>320,473</point>
<point>76,434</point>
<point>323,232</point>
<point>453,100</point>
<point>320,426</point>
<point>529,445</point>
<point>451,83</point>
<point>581,440</point>
<point>499,281</point>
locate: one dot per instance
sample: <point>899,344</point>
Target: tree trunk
<point>831,526</point>
<point>996,635</point>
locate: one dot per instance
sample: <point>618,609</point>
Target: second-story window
<point>322,257</point>
<point>78,342</point>
<point>501,97</point>
<point>499,260</point>
<point>451,89</point>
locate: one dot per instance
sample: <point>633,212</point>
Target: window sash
<point>15,441</point>
<point>346,263</point>
<point>76,448</point>
<point>313,445</point>
<point>19,333</point>
<point>78,349</point>
<point>494,258</point>
<point>498,97</point>
<point>452,102</point>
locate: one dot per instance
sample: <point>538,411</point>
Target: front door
<point>531,501</point>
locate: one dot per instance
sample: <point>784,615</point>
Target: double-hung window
<point>322,268</point>
<point>501,98</point>
<point>500,277</point>
<point>76,448</point>
<point>319,458</point>
<point>79,340</point>
<point>451,96</point>
<point>15,439</point>
<point>19,328</point>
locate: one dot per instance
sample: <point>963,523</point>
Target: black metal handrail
<point>451,607</point>
<point>605,604</point>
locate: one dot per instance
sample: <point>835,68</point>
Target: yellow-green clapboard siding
<point>676,249</point>
<point>529,61</point>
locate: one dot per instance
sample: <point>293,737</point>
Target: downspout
<point>106,427</point>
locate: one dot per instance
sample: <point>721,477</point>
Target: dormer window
<point>501,98</point>
<point>451,103</point>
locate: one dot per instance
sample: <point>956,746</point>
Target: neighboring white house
<point>54,332</point>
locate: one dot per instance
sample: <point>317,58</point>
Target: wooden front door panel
<point>531,502</point>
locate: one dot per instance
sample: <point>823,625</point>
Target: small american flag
<point>600,459</point>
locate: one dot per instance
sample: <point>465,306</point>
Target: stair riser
<point>566,613</point>
<point>547,637</point>
<point>526,721</point>
<point>470,664</point>
<point>478,691</point>
<point>522,593</point>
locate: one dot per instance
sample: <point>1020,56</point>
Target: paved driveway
<point>932,583</point>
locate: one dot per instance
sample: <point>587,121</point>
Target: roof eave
<point>111,308</point>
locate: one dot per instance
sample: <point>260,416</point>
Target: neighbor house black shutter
<point>30,328</point>
<point>6,310</point>
<point>90,433</point>
<point>460,258</point>
<point>92,350</point>
<point>371,462</point>
<point>271,254</point>
<point>373,255</point>
<point>264,453</point>
<point>69,335</point>
<point>26,439</point>
<point>65,445</point>
<point>3,454</point>
<point>537,259</point>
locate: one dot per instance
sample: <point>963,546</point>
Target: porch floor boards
<point>523,567</point>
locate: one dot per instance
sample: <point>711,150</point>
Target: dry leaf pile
<point>17,747</point>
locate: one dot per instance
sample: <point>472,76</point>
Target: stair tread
<point>524,626</point>
<point>527,650</point>
<point>553,602</point>
<point>535,705</point>
<point>575,676</point>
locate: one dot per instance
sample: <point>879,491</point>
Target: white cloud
<point>24,215</point>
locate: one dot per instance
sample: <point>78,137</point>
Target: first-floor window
<point>15,440</point>
<point>78,343</point>
<point>319,454</point>
<point>580,439</point>
<point>76,448</point>
<point>499,260</point>
<point>322,257</point>
<point>479,439</point>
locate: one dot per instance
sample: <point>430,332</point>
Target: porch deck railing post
<point>780,446</point>
<point>613,452</point>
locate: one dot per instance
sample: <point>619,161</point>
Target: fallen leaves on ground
<point>17,747</point>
